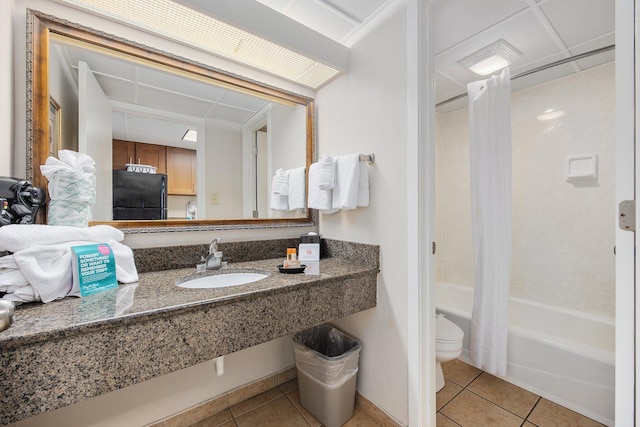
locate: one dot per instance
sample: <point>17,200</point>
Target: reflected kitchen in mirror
<point>216,138</point>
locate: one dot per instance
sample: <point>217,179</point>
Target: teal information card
<point>94,268</point>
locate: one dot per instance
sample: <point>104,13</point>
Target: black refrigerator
<point>139,195</point>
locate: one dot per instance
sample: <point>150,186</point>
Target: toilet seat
<point>447,331</point>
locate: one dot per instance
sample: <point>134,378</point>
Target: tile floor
<point>472,397</point>
<point>278,407</point>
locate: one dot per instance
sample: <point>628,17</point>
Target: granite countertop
<point>156,295</point>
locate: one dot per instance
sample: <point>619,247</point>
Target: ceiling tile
<point>230,114</point>
<point>96,61</point>
<point>168,101</point>
<point>154,130</point>
<point>116,89</point>
<point>575,22</point>
<point>523,32</point>
<point>179,84</point>
<point>243,101</point>
<point>458,20</point>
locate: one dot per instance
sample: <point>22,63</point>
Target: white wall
<point>286,133</point>
<point>7,90</point>
<point>223,176</point>
<point>66,95</point>
<point>563,234</point>
<point>365,111</point>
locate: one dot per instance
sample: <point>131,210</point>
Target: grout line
<point>495,404</point>
<point>296,408</point>
<point>451,420</point>
<point>532,408</point>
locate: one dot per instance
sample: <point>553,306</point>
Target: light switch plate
<point>215,198</point>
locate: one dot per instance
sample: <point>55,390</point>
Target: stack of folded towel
<point>288,189</point>
<point>338,183</point>
<point>40,269</point>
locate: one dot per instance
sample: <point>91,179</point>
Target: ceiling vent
<point>491,58</point>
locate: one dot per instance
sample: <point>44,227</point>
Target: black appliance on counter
<point>19,201</point>
<point>139,195</point>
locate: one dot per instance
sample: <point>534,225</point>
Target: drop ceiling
<point>151,105</point>
<point>544,31</point>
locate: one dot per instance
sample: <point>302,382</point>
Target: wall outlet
<point>215,198</point>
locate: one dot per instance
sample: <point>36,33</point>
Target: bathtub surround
<point>82,352</point>
<point>559,258</point>
<point>490,155</point>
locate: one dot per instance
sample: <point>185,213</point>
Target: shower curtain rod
<point>541,68</point>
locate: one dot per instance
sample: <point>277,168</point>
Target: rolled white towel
<point>327,173</point>
<point>279,203</point>
<point>280,183</point>
<point>297,192</point>
<point>16,237</point>
<point>319,199</point>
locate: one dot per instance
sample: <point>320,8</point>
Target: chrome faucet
<point>214,259</point>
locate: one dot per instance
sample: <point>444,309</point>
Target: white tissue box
<point>132,167</point>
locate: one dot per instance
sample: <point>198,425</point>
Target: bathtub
<point>562,355</point>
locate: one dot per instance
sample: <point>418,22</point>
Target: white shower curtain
<point>490,155</point>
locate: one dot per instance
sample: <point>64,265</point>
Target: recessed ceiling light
<point>491,58</point>
<point>190,135</point>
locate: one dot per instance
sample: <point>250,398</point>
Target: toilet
<point>448,345</point>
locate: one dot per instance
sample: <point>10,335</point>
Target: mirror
<point>227,180</point>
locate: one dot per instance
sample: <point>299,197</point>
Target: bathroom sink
<point>222,280</point>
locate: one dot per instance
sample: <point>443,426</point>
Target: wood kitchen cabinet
<point>152,155</point>
<point>181,169</point>
<point>123,152</point>
<point>178,163</point>
<point>139,153</point>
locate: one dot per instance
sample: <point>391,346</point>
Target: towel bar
<point>369,158</point>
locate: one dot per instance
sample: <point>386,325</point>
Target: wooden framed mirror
<point>260,108</point>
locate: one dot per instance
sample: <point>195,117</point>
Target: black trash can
<point>327,365</point>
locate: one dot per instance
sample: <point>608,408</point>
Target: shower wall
<point>563,232</point>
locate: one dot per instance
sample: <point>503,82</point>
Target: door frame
<point>627,181</point>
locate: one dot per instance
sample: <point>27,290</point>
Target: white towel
<point>280,183</point>
<point>16,237</point>
<point>297,192</point>
<point>327,173</point>
<point>22,294</point>
<point>319,199</point>
<point>11,279</point>
<point>279,203</point>
<point>48,269</point>
<point>345,193</point>
<point>363,186</point>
